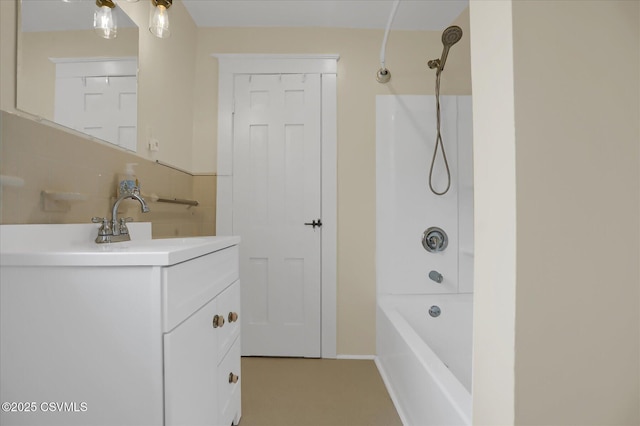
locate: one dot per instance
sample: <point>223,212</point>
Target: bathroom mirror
<point>69,75</point>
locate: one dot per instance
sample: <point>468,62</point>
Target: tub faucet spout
<point>436,276</point>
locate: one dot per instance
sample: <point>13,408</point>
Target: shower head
<point>450,36</point>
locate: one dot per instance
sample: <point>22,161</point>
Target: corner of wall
<point>495,213</point>
<point>8,18</point>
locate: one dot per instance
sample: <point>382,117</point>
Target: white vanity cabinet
<point>123,334</point>
<point>197,352</point>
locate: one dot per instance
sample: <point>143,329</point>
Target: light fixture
<point>159,18</point>
<point>104,20</point>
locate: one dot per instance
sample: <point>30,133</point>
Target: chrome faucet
<point>116,230</point>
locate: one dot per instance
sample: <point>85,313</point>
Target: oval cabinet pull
<point>233,316</point>
<point>233,378</point>
<point>218,321</point>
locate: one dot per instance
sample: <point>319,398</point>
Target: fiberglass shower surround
<point>406,208</point>
<point>424,249</point>
<point>424,287</point>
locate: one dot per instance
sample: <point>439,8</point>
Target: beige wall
<point>407,56</point>
<point>7,55</point>
<point>165,85</point>
<point>48,158</point>
<point>577,311</point>
<point>577,164</point>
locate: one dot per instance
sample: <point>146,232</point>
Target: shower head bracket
<point>434,63</point>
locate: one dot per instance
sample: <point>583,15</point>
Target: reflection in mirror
<point>69,75</point>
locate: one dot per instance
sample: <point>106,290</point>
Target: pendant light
<point>104,20</point>
<point>159,18</point>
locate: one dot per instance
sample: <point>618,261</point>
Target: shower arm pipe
<point>383,48</point>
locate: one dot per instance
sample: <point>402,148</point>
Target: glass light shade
<point>104,22</point>
<point>159,21</point>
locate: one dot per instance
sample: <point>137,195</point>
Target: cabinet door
<point>229,387</point>
<point>191,360</point>
<point>229,305</point>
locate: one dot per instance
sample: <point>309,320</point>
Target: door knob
<point>233,378</point>
<point>233,317</point>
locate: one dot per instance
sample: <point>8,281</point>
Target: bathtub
<point>425,361</point>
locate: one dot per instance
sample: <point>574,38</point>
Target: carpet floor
<point>314,392</point>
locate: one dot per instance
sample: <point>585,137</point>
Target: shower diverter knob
<point>434,240</point>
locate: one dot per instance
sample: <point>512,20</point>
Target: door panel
<point>276,190</point>
<point>104,107</point>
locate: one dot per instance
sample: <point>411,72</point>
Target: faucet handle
<point>123,225</point>
<point>105,228</point>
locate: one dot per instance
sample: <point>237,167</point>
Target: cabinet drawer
<point>228,304</point>
<point>228,392</point>
<point>189,285</point>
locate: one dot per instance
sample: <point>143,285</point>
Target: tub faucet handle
<point>434,240</point>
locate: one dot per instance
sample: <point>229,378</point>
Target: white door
<point>276,190</point>
<point>104,107</point>
<point>98,97</point>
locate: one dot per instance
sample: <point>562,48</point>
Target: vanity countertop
<point>34,245</point>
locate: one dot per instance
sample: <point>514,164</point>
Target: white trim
<point>95,67</point>
<point>93,59</point>
<point>285,64</point>
<point>269,56</point>
<point>326,65</point>
<point>329,214</point>
<point>360,357</point>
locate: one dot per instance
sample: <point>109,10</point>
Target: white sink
<point>74,245</point>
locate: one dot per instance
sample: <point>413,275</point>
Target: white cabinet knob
<point>218,321</point>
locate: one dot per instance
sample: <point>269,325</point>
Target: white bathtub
<point>425,362</point>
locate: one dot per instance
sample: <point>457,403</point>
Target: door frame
<point>230,65</point>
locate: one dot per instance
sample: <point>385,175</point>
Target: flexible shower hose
<point>439,143</point>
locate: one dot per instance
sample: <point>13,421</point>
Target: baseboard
<point>362,357</point>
